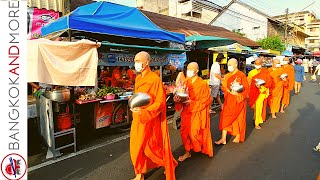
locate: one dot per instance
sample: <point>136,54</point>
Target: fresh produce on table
<point>108,90</point>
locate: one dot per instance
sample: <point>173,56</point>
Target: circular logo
<point>13,166</point>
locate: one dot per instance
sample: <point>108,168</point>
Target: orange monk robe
<point>276,91</point>
<point>116,75</point>
<point>157,71</point>
<point>195,118</point>
<point>254,91</point>
<point>149,137</point>
<point>288,69</point>
<point>233,115</point>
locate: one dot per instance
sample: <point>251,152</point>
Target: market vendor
<point>131,74</point>
<point>117,78</point>
<point>105,75</point>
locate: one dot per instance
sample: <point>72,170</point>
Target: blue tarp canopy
<point>111,19</point>
<point>287,53</point>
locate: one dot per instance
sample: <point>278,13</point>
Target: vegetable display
<point>106,90</point>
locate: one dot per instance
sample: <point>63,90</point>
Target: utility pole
<point>222,11</point>
<point>286,29</point>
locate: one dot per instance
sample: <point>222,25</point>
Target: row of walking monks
<point>149,138</point>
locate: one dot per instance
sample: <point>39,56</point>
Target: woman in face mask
<point>299,76</point>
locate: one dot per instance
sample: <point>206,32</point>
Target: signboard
<point>37,18</point>
<point>127,59</point>
<point>177,60</point>
<point>224,61</point>
<point>104,113</point>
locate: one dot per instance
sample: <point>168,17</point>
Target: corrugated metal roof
<point>193,28</point>
<point>62,6</point>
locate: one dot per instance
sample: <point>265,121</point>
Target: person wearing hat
<point>215,79</point>
<point>299,76</point>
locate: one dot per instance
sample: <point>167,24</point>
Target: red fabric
<point>116,74</point>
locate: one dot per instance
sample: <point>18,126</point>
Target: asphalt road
<point>282,149</point>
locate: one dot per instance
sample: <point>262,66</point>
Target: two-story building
<point>313,42</point>
<point>243,18</point>
<point>301,29</point>
<point>202,11</point>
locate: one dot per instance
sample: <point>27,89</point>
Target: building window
<point>311,41</point>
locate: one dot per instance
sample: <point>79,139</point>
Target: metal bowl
<point>260,82</point>
<point>282,76</point>
<point>183,96</point>
<point>62,95</point>
<point>237,88</point>
<point>139,100</point>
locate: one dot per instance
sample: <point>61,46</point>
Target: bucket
<point>64,121</point>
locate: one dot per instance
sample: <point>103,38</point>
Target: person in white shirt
<point>215,79</point>
<point>317,71</point>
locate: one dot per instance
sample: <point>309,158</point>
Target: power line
<point>262,7</point>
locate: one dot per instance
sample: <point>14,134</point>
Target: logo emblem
<point>13,166</point>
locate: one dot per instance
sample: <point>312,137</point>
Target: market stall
<point>235,50</point>
<point>58,66</point>
<point>123,31</point>
<point>199,51</point>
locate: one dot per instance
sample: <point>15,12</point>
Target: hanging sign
<point>177,60</point>
<point>37,18</point>
<point>127,59</point>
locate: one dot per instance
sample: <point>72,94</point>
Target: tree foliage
<point>272,42</point>
<point>238,31</point>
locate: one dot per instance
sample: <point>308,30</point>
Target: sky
<point>277,7</point>
<point>269,7</point>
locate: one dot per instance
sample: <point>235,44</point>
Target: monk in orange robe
<point>277,91</point>
<point>288,69</point>
<point>258,73</point>
<point>233,115</point>
<point>195,116</point>
<point>149,137</point>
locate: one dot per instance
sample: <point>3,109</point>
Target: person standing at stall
<point>233,115</point>
<point>215,79</point>
<point>277,91</point>
<point>149,137</point>
<point>195,117</point>
<point>117,78</point>
<point>259,105</point>
<point>299,76</point>
<point>288,69</point>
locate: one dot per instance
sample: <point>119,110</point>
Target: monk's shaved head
<point>193,66</point>
<point>286,59</point>
<point>276,61</point>
<point>142,57</point>
<point>258,61</point>
<point>233,62</point>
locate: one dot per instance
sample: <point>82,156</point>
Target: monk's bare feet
<point>273,116</point>
<point>221,141</point>
<point>237,139</point>
<point>212,112</point>
<point>282,111</point>
<point>139,177</point>
<point>184,157</point>
<point>258,127</point>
